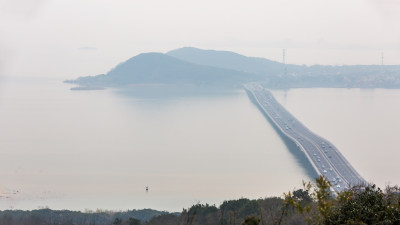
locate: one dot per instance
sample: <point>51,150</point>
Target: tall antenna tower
<point>382,59</point>
<point>283,56</point>
<point>284,62</point>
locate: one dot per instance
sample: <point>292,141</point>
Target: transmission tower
<point>284,62</point>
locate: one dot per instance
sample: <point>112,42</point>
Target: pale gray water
<point>363,123</point>
<point>99,149</point>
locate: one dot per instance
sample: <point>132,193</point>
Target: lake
<point>363,124</point>
<point>80,150</point>
<point>99,149</point>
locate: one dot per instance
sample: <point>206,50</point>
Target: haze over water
<point>100,149</point>
<point>363,124</point>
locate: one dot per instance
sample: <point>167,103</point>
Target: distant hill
<point>209,68</point>
<point>295,76</point>
<point>158,68</point>
<point>229,60</point>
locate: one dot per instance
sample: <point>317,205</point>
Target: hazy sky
<point>70,38</point>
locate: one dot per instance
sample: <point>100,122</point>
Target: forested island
<point>222,69</point>
<point>315,203</point>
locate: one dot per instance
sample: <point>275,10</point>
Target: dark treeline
<point>313,204</point>
<point>67,217</point>
<point>265,211</point>
<point>229,212</point>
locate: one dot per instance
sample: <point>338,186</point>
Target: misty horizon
<point>67,39</point>
<point>222,106</point>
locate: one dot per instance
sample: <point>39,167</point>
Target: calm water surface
<point>363,123</point>
<point>99,149</point>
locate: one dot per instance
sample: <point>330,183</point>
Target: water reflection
<point>170,92</point>
<point>361,123</point>
<point>99,149</point>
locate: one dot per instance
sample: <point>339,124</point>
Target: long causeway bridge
<point>323,155</point>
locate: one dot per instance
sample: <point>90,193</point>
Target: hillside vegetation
<point>222,69</point>
<point>161,69</point>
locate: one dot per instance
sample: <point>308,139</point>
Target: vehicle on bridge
<point>313,146</point>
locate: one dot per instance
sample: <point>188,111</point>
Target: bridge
<point>324,157</point>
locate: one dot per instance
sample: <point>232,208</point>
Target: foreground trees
<point>358,205</point>
<point>314,204</point>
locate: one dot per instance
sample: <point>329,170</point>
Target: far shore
<point>84,88</point>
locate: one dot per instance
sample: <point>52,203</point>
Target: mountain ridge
<point>228,60</point>
<point>161,68</point>
<point>198,67</point>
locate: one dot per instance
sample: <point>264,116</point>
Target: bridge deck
<point>323,155</point>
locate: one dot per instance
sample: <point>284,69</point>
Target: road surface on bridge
<point>322,155</point>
